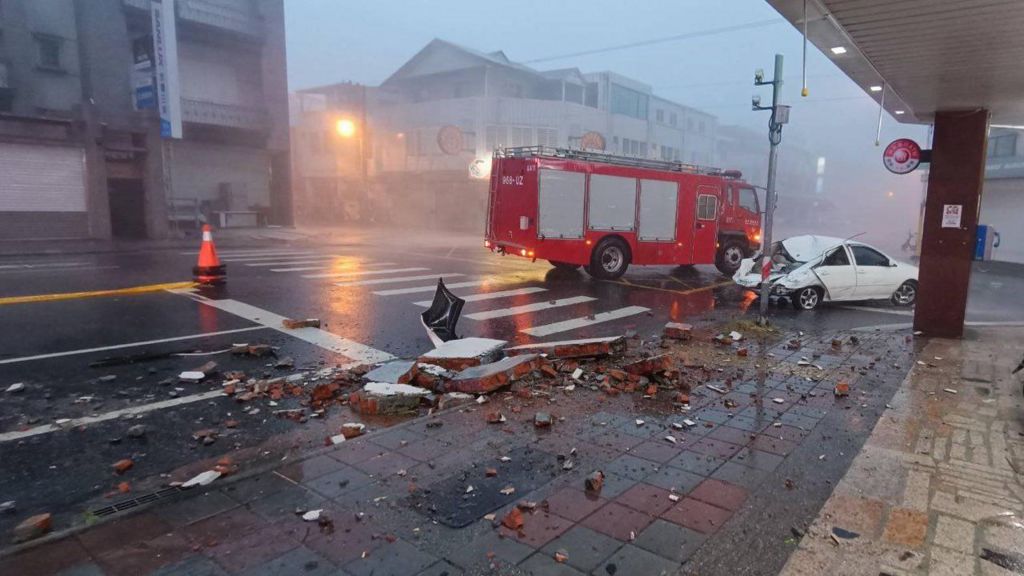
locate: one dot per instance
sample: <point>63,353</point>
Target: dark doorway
<point>127,208</point>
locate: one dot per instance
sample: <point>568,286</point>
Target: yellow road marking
<point>95,293</point>
<point>681,292</point>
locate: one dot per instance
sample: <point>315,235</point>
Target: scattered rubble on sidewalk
<point>461,354</point>
<point>33,527</point>
<point>16,387</point>
<point>291,324</point>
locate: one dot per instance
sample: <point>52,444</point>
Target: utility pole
<point>780,116</point>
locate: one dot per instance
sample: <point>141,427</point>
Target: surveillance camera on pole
<point>779,117</point>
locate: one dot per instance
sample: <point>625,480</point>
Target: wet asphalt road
<point>49,345</point>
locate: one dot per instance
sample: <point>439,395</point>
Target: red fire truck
<point>576,208</point>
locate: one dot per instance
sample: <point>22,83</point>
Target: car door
<point>874,273</point>
<point>837,274</point>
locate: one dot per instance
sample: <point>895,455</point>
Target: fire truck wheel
<point>729,256</point>
<point>609,260</point>
<point>563,265</point>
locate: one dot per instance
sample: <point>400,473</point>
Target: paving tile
<point>630,467</point>
<point>396,438</point>
<point>697,515</point>
<point>349,541</point>
<point>385,465</point>
<point>614,485</point>
<point>674,479</point>
<point>259,486</point>
<point>790,433</point>
<point>300,560</point>
<point>719,493</point>
<point>284,503</point>
<point>441,568</point>
<point>740,475</point>
<point>573,503</point>
<point>337,483</point>
<point>539,528</point>
<point>253,547</point>
<point>773,445</point>
<point>586,548</point>
<point>757,459</point>
<point>474,554</point>
<point>804,422</point>
<point>541,564</point>
<point>618,521</point>
<point>632,560</point>
<point>195,507</point>
<point>712,415</point>
<point>657,450</point>
<point>124,531</point>
<point>144,557</point>
<point>696,462</point>
<point>646,498</point>
<point>670,540</point>
<point>81,570</point>
<point>617,440</point>
<point>909,528</point>
<point>310,468</point>
<point>47,560</point>
<point>716,448</point>
<point>427,449</point>
<point>727,433</point>
<point>195,565</point>
<point>355,451</point>
<point>398,558</point>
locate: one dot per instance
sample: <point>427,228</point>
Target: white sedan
<point>810,270</point>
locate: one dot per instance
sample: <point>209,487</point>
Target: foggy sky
<point>341,40</point>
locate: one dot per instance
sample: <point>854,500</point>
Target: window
<point>838,257</point>
<point>700,127</point>
<point>496,137</point>
<point>689,124</point>
<point>49,48</point>
<point>660,115</point>
<point>672,119</point>
<point>707,207</point>
<point>628,102</point>
<point>748,200</point>
<point>643,149</point>
<point>868,256</point>
<point>547,137</point>
<point>1002,146</point>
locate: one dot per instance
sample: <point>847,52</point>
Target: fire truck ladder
<point>588,156</point>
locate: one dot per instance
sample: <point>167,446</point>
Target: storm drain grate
<point>135,502</point>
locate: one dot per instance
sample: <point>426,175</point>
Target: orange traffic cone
<point>208,269</point>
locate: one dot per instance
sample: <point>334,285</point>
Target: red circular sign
<point>902,156</point>
<point>592,141</point>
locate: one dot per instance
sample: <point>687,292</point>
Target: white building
<point>1002,198</point>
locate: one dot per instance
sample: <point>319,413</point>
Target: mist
<point>332,41</point>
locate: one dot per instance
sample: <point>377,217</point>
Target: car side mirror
<point>892,264</point>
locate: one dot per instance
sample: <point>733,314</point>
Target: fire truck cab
<point>604,212</point>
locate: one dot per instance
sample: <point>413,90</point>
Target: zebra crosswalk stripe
<point>399,279</point>
<point>574,323</point>
<point>489,295</point>
<point>363,272</point>
<point>525,308</point>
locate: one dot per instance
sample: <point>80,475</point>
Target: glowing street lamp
<point>346,128</point>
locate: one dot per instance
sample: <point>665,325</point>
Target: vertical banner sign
<point>165,53</point>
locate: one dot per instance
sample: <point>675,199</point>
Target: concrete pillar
<point>955,179</point>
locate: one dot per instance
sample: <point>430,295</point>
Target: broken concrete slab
<point>583,348</point>
<point>16,387</point>
<point>33,527</point>
<point>453,399</point>
<point>202,479</point>
<point>292,324</point>
<point>397,372</point>
<point>678,331</point>
<point>386,398</point>
<point>464,353</point>
<point>490,377</point>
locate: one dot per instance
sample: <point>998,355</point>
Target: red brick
<point>590,348</point>
<point>649,366</point>
<point>490,377</point>
<point>618,521</point>
<point>720,494</point>
<point>678,331</point>
<point>646,498</point>
<point>697,515</point>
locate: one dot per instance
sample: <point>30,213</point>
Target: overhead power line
<point>675,38</point>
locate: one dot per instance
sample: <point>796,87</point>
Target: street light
<point>346,128</point>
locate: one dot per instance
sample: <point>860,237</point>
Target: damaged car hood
<point>797,251</point>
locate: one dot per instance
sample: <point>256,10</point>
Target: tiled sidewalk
<point>937,489</point>
<point>660,504</point>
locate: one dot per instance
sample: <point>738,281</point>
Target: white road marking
<point>488,295</point>
<point>431,288</point>
<point>566,325</point>
<point>128,345</point>
<point>42,265</point>
<point>563,343</point>
<point>65,269</point>
<point>326,340</point>
<point>296,261</point>
<point>526,308</point>
<point>892,311</point>
<point>251,252</point>
<point>363,272</point>
<point>321,267</point>
<point>266,257</point>
<point>134,410</point>
<point>399,279</point>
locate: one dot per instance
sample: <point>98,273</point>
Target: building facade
<point>433,125</point>
<point>80,138</point>
<point>1002,197</point>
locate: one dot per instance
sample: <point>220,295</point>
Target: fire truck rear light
<point>530,253</point>
<point>522,252</point>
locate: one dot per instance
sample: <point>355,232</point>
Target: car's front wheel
<point>906,294</point>
<point>807,298</point>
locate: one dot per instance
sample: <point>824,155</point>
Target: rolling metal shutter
<point>41,178</point>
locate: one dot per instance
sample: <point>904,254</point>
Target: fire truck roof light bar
<point>584,155</point>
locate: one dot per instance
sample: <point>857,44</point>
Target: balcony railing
<point>229,115</point>
<point>238,16</point>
